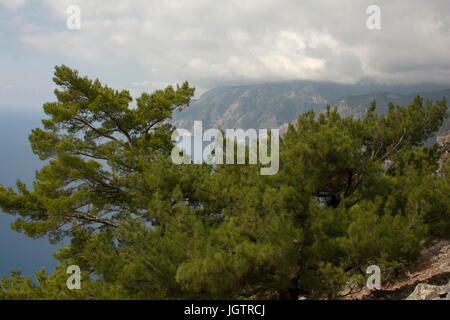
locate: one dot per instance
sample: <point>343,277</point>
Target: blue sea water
<point>17,161</point>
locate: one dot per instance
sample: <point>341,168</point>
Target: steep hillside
<point>267,105</point>
<point>427,279</point>
<point>357,105</point>
<point>272,105</point>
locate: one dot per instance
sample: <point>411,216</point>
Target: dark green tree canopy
<point>349,193</point>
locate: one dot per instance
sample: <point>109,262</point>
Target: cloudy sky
<point>145,45</point>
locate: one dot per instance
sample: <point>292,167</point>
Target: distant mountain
<point>273,105</point>
<point>357,105</point>
<point>267,105</point>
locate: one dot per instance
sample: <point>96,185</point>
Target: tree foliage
<point>349,193</point>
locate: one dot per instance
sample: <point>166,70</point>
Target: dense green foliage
<point>349,193</point>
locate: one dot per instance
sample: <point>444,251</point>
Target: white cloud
<point>210,42</point>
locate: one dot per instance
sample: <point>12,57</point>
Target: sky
<point>146,45</point>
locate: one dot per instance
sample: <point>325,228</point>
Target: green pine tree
<point>349,193</point>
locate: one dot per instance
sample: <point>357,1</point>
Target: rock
<point>444,141</point>
<point>424,291</point>
<point>431,271</point>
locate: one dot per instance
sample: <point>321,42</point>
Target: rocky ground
<point>427,279</point>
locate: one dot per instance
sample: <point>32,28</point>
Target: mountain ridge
<point>274,105</point>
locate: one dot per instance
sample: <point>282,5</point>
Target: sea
<point>17,161</point>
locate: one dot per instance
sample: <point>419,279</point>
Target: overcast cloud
<point>212,42</point>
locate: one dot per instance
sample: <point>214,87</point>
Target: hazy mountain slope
<point>271,105</point>
<point>358,104</point>
<point>267,105</point>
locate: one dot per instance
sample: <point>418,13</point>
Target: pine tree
<point>349,193</point>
